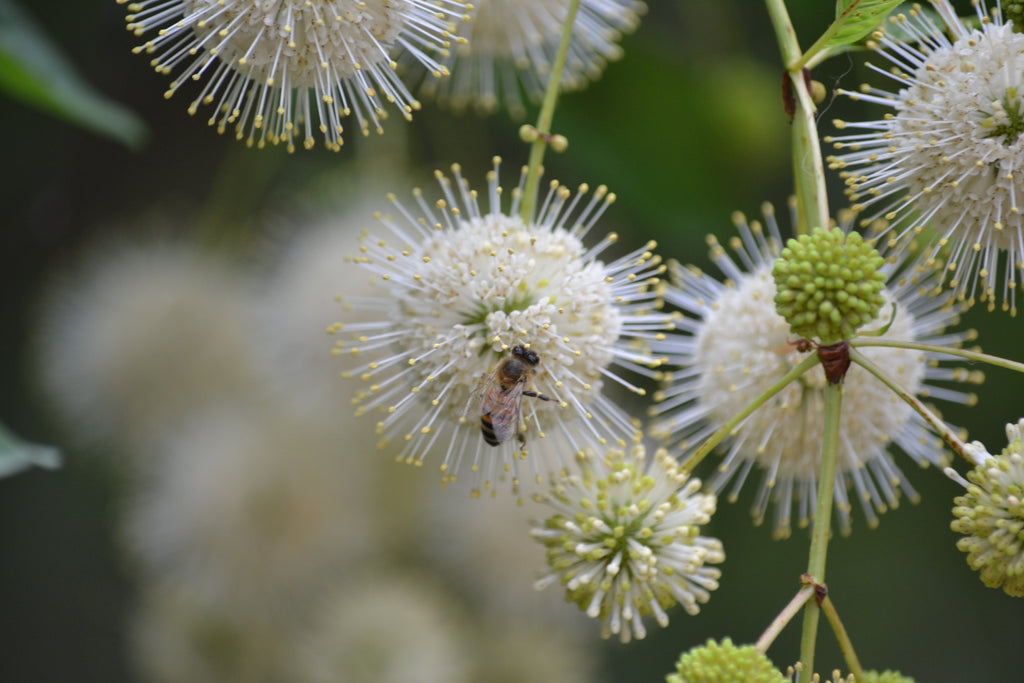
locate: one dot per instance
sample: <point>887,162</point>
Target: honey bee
<point>502,396</point>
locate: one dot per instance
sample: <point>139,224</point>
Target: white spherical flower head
<point>386,627</point>
<point>990,515</point>
<point>248,506</point>
<point>512,45</point>
<point>483,316</point>
<point>625,541</point>
<point>949,155</point>
<point>135,338</point>
<point>276,70</point>
<point>735,346</point>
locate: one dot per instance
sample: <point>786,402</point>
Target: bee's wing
<point>503,407</point>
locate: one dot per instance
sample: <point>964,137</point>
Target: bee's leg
<point>521,437</point>
<point>534,394</point>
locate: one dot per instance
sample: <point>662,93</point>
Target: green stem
<point>946,350</point>
<point>843,638</point>
<point>931,418</point>
<point>808,165</point>
<point>698,455</point>
<point>783,618</point>
<point>822,522</point>
<point>547,112</point>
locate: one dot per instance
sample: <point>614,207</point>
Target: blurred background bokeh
<point>221,516</point>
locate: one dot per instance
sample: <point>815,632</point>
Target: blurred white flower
<point>276,70</point>
<point>388,627</point>
<point>247,504</point>
<point>508,649</point>
<point>486,548</point>
<point>511,48</point>
<point>948,154</point>
<point>625,541</point>
<point>137,338</point>
<point>296,301</point>
<point>175,635</point>
<point>459,289</point>
<point>734,346</point>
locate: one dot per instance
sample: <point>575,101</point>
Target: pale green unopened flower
<point>990,515</point>
<point>625,541</point>
<point>725,663</point>
<point>947,153</point>
<point>278,71</point>
<point>828,284</point>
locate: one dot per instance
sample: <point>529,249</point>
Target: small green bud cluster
<point>724,663</point>
<point>828,284</point>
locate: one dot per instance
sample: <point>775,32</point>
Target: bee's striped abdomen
<point>487,428</point>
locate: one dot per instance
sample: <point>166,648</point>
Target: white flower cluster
<point>460,289</point>
<point>948,155</point>
<point>735,346</point>
<point>279,70</point>
<point>511,46</point>
<point>625,540</point>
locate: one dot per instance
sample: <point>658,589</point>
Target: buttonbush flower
<point>512,46</point>
<point>733,346</point>
<point>948,154</point>
<point>278,70</point>
<point>461,287</point>
<point>723,663</point>
<point>990,515</point>
<point>625,540</point>
<point>136,337</point>
<point>385,626</point>
<point>248,506</point>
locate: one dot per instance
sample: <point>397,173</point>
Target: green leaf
<point>17,455</point>
<point>857,18</point>
<point>33,70</point>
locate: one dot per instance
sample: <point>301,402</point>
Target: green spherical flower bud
<point>724,663</point>
<point>828,284</point>
<point>990,515</point>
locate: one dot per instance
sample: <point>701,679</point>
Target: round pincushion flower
<point>733,345</point>
<point>512,44</point>
<point>278,70</point>
<point>462,291</point>
<point>828,284</point>
<point>724,663</point>
<point>990,515</point>
<point>625,540</point>
<point>948,154</point>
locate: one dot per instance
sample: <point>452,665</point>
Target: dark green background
<point>686,129</point>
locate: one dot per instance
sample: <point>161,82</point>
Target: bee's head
<point>526,354</point>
